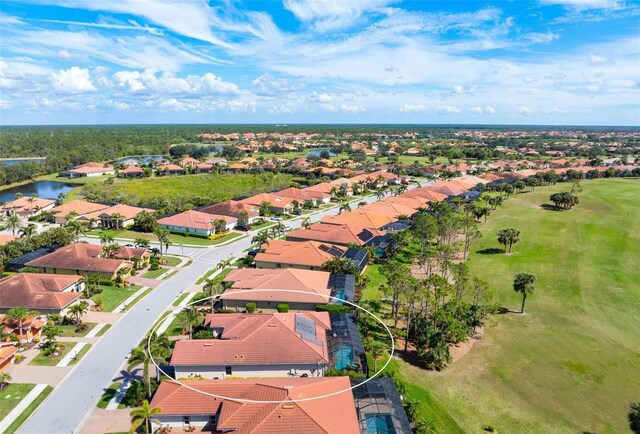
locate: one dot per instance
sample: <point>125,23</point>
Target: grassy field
<point>30,408</point>
<point>42,360</point>
<point>571,363</point>
<point>216,187</point>
<point>113,297</point>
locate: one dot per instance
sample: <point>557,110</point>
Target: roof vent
<point>208,345</point>
<point>288,406</point>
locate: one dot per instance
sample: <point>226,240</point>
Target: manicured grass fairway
<point>571,363</point>
<point>30,408</point>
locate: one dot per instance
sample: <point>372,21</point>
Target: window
<point>228,370</point>
<point>186,420</point>
<point>212,421</point>
<point>278,265</point>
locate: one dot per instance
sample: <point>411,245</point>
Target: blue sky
<point>317,61</point>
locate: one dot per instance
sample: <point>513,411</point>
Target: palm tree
<point>110,250</point>
<point>524,284</point>
<point>163,239</point>
<point>260,239</point>
<point>143,416</point>
<point>380,193</point>
<point>160,350</point>
<point>77,310</point>
<point>27,231</point>
<point>224,263</point>
<point>212,287</point>
<point>508,237</point>
<point>188,317</point>
<point>306,222</point>
<point>21,314</point>
<point>106,239</point>
<point>338,265</point>
<point>344,207</point>
<point>61,198</point>
<point>5,378</point>
<point>71,215</point>
<point>13,223</point>
<point>142,242</point>
<point>116,219</point>
<point>77,228</point>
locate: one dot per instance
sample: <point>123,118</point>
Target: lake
<point>10,162</point>
<point>44,189</point>
<point>143,159</point>
<point>317,152</point>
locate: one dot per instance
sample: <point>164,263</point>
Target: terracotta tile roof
<point>343,234</point>
<point>131,169</point>
<point>27,204</point>
<point>360,218</point>
<point>188,161</point>
<point>491,177</point>
<point>4,238</point>
<point>308,253</point>
<point>7,350</point>
<point>37,291</point>
<point>333,415</point>
<point>79,206</point>
<point>92,168</point>
<point>302,195</point>
<point>389,209</point>
<point>232,208</point>
<point>323,187</point>
<point>414,202</point>
<point>171,168</point>
<point>85,257</point>
<point>128,212</point>
<point>243,338</point>
<point>426,193</point>
<point>11,326</point>
<point>274,200</point>
<point>313,284</point>
<point>195,219</point>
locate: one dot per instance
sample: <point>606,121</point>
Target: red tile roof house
<point>7,354</point>
<point>126,215</point>
<point>79,207</point>
<point>31,328</point>
<point>196,222</point>
<point>131,172</point>
<point>45,293</point>
<point>170,169</point>
<point>303,255</point>
<point>88,259</point>
<point>245,213</point>
<point>26,207</point>
<point>256,345</point>
<point>224,408</point>
<point>303,196</point>
<point>313,287</point>
<point>340,234</point>
<point>277,204</point>
<point>89,170</point>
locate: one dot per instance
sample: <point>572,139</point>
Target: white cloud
<point>268,85</point>
<point>596,59</point>
<point>408,108</point>
<point>524,110</point>
<point>73,80</point>
<point>323,98</point>
<point>483,110</point>
<point>447,109</point>
<point>352,108</point>
<point>167,83</point>
<point>324,15</point>
<point>584,4</point>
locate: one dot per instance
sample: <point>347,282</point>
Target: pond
<point>10,161</point>
<point>44,189</point>
<point>317,152</point>
<point>143,159</point>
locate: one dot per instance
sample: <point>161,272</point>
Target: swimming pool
<point>378,424</point>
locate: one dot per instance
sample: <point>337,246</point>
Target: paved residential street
<point>71,403</point>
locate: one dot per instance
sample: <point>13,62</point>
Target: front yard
<point>11,395</point>
<point>42,360</point>
<point>112,296</point>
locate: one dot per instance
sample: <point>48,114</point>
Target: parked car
<point>243,228</point>
<point>297,212</point>
<point>253,252</point>
<point>277,219</point>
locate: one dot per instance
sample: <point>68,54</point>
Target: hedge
<point>250,306</point>
<point>283,307</point>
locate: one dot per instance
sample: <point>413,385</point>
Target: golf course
<point>571,363</point>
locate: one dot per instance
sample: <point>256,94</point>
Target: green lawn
<point>215,187</point>
<point>42,360</point>
<point>571,363</point>
<point>113,297</point>
<point>27,412</point>
<point>70,330</point>
<point>219,277</point>
<point>153,274</point>
<point>172,261</point>
<point>171,273</point>
<point>11,395</point>
<point>80,355</point>
<point>174,238</point>
<point>227,237</point>
<point>103,330</point>
<point>108,395</point>
<point>179,299</point>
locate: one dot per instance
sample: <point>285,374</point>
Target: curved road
<point>71,403</point>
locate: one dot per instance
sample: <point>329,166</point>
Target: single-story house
<point>197,222</point>
<point>297,346</point>
<point>31,328</point>
<point>277,204</point>
<point>341,234</point>
<point>89,170</point>
<point>88,259</point>
<point>306,255</point>
<point>77,207</point>
<point>107,217</point>
<point>226,406</point>
<point>360,218</point>
<point>245,213</point>
<point>131,172</point>
<point>45,293</point>
<point>26,206</point>
<point>303,196</point>
<point>7,354</point>
<point>389,209</point>
<point>170,169</point>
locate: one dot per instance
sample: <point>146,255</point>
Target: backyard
<point>570,364</point>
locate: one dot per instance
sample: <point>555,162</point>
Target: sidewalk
<point>95,330</point>
<point>22,406</point>
<point>129,300</point>
<point>73,352</point>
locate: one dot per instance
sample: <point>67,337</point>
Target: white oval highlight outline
<point>252,401</point>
